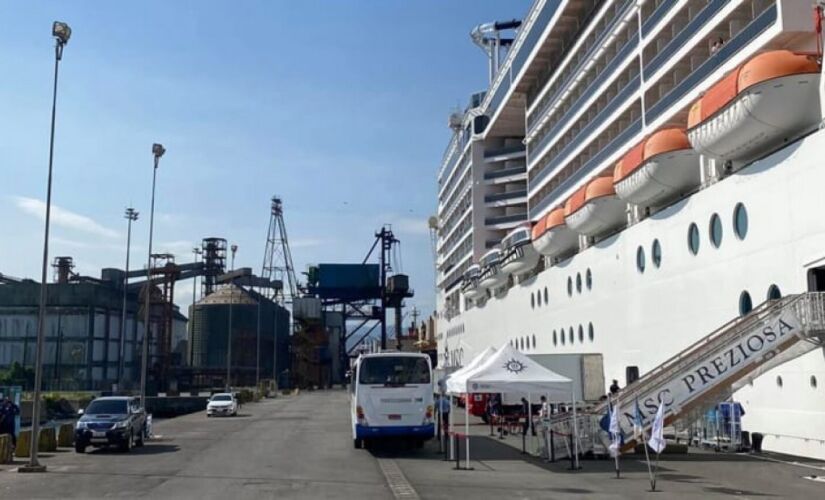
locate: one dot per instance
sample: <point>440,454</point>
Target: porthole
<point>774,293</point>
<point>545,295</point>
<point>561,334</point>
<point>693,238</point>
<point>715,229</point>
<point>745,303</point>
<point>590,332</point>
<point>579,282</point>
<point>532,301</point>
<point>813,382</point>
<point>779,382</point>
<point>569,286</point>
<point>581,334</point>
<point>534,341</point>
<point>555,338</point>
<point>570,335</point>
<point>538,299</point>
<point>740,221</point>
<point>588,279</point>
<point>656,253</point>
<point>640,259</point>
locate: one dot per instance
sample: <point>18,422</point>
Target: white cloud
<point>63,218</point>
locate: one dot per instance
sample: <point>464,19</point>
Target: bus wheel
<point>357,443</point>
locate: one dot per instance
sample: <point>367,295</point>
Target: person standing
<point>444,410</point>
<point>614,388</point>
<point>8,415</point>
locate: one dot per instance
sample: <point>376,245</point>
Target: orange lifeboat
<point>658,169</point>
<point>595,209</point>
<point>769,100</point>
<point>552,237</point>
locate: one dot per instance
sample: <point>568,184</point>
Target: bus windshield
<point>394,371</point>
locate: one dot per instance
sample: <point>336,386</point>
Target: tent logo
<point>514,366</point>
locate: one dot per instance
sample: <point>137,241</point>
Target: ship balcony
<point>507,198</point>
<point>505,221</point>
<point>505,153</point>
<point>505,175</point>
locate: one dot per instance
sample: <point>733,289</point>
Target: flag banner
<point>638,424</point>
<point>657,434</point>
<point>615,430</point>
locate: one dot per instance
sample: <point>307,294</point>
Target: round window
<point>590,332</point>
<point>579,282</point>
<point>588,279</point>
<point>569,286</point>
<point>640,259</point>
<point>532,301</point>
<point>545,295</point>
<point>538,299</point>
<point>570,335</point>
<point>813,382</point>
<point>581,333</point>
<point>745,303</point>
<point>555,338</point>
<point>693,239</point>
<point>534,341</point>
<point>740,221</point>
<point>774,293</point>
<point>779,382</point>
<point>715,229</point>
<point>656,253</point>
<point>561,334</point>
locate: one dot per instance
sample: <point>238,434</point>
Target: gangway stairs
<point>710,370</point>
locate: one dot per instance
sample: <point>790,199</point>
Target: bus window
<point>394,371</point>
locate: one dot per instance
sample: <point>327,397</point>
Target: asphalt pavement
<point>301,447</point>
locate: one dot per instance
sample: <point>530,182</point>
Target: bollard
<point>65,436</point>
<point>5,448</point>
<point>47,440</point>
<point>24,442</point>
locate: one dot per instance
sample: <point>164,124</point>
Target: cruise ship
<point>636,175</point>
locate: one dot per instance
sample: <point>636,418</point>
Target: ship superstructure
<point>637,174</point>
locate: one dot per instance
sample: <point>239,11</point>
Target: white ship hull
<point>643,318</point>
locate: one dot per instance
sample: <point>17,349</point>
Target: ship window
<point>588,279</point>
<point>590,332</point>
<point>640,259</point>
<point>570,335</point>
<point>740,221</point>
<point>774,293</point>
<point>579,282</point>
<point>779,382</point>
<point>534,341</point>
<point>693,239</point>
<point>538,298</point>
<point>656,253</point>
<point>715,230</point>
<point>545,295</point>
<point>532,301</point>
<point>581,333</point>
<point>745,303</point>
<point>555,338</point>
<point>813,381</point>
<point>569,286</point>
<point>561,334</point>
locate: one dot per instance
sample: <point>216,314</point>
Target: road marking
<point>786,462</point>
<point>401,488</point>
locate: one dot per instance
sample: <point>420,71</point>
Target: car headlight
<point>121,425</point>
<point>81,425</point>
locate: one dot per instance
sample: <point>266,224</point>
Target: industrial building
<point>82,331</point>
<point>248,310</point>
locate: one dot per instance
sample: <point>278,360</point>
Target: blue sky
<point>338,107</point>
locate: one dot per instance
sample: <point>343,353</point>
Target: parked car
<point>222,403</point>
<point>111,421</point>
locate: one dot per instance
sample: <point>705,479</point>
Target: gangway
<point>710,370</point>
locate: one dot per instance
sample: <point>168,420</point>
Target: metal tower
<point>277,256</point>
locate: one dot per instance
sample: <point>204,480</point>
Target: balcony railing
<point>521,193</point>
<point>506,172</point>
<point>505,219</point>
<point>506,151</point>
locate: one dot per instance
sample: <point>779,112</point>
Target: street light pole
<point>157,151</point>
<point>197,251</point>
<point>61,32</point>
<point>130,215</point>
<point>258,344</point>
<point>234,249</point>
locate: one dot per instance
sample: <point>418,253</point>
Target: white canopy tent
<point>456,380</point>
<point>508,370</point>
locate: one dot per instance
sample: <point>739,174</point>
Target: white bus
<point>392,396</point>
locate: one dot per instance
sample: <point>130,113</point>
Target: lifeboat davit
<point>518,255</point>
<point>552,237</point>
<point>661,167</point>
<point>469,283</point>
<point>772,98</point>
<point>595,209</point>
<point>491,274</point>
